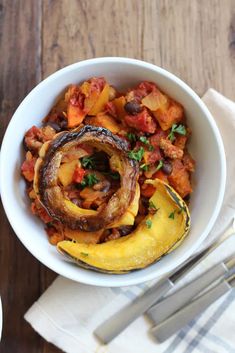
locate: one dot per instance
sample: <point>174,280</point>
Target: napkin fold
<point>68,312</point>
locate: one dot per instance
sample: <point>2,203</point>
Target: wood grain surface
<point>195,39</point>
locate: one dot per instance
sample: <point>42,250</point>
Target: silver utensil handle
<point>181,318</point>
<point>119,321</point>
<point>167,306</point>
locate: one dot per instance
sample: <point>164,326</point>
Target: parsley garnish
<point>83,253</point>
<point>144,140</point>
<point>148,223</point>
<point>159,166</point>
<point>172,215</point>
<point>144,167</point>
<point>151,205</point>
<point>88,162</point>
<point>131,137</point>
<point>89,180</point>
<point>179,129</point>
<point>136,155</point>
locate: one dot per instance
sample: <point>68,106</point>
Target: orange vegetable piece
<point>180,178</point>
<point>75,115</point>
<point>173,115</point>
<point>105,121</point>
<point>155,100</point>
<point>160,175</point>
<point>101,101</point>
<point>147,190</point>
<point>119,106</point>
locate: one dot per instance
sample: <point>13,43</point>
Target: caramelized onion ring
<point>51,195</point>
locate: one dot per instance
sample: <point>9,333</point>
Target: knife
<point>169,305</point>
<point>182,317</point>
<point>113,326</point>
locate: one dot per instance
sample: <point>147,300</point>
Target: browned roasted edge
<point>65,137</point>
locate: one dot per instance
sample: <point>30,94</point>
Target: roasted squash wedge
<point>155,236</point>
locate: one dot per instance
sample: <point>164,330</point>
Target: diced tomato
<point>33,138</point>
<point>38,210</point>
<point>97,84</point>
<point>142,122</point>
<point>75,111</point>
<point>152,156</point>
<point>155,139</point>
<point>27,168</point>
<point>189,162</point>
<point>34,131</point>
<point>147,190</point>
<point>180,141</point>
<point>143,89</point>
<point>180,178</point>
<point>78,175</point>
<point>54,235</point>
<point>160,175</point>
<point>111,109</point>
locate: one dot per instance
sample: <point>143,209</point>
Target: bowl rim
<point>119,279</point>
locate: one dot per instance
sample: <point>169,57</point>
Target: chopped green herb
<point>172,215</point>
<point>131,137</point>
<point>88,162</point>
<point>148,223</point>
<point>144,167</point>
<point>179,129</point>
<point>159,166</point>
<point>83,253</point>
<point>136,154</point>
<point>151,205</point>
<point>89,180</point>
<point>144,140</point>
<point>151,148</point>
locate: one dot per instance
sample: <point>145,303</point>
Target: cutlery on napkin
<point>68,312</point>
<point>178,320</point>
<point>114,325</point>
<point>169,305</point>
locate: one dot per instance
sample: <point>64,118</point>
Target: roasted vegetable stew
<point>93,167</point>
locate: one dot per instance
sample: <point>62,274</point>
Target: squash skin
<point>52,197</point>
<point>144,245</point>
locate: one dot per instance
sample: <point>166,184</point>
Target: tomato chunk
<point>147,190</point>
<point>151,157</point>
<point>180,178</point>
<point>142,122</point>
<point>155,139</point>
<point>78,174</point>
<point>27,168</point>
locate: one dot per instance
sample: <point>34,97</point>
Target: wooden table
<point>195,39</point>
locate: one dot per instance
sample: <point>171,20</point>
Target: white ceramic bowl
<point>206,147</point>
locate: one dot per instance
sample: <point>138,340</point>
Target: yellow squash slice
<point>156,235</point>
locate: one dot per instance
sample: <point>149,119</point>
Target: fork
<point>122,319</point>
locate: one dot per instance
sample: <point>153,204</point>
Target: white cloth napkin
<point>68,312</point>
